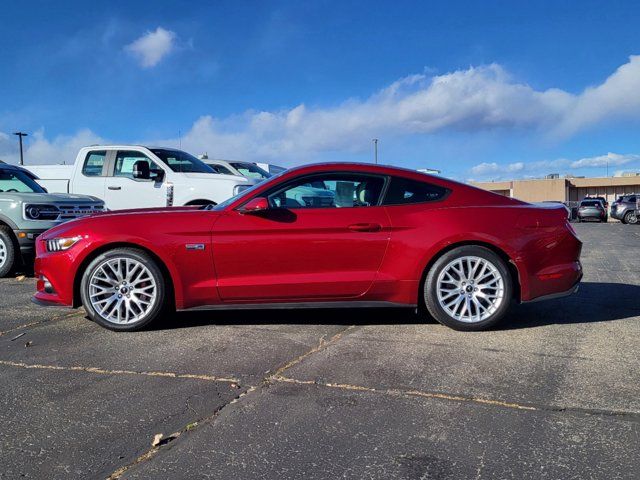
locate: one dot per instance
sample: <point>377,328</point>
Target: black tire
<point>430,294</point>
<point>9,250</point>
<point>630,218</point>
<point>158,305</point>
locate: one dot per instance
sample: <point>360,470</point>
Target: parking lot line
<point>103,371</point>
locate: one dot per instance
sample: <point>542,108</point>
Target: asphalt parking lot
<point>554,393</point>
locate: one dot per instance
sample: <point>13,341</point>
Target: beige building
<point>564,189</point>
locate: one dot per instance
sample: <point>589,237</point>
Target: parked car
<point>233,167</point>
<point>604,201</point>
<point>592,209</point>
<point>625,209</point>
<point>27,210</point>
<point>374,245</point>
<point>271,168</point>
<point>134,176</point>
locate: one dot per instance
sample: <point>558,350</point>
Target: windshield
<point>590,203</point>
<point>181,162</point>
<point>18,181</point>
<point>218,168</point>
<point>250,170</point>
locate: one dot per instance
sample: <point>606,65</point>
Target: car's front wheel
<point>468,288</point>
<point>123,289</point>
<point>8,251</point>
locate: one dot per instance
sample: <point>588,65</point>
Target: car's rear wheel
<point>468,288</point>
<point>123,289</point>
<point>8,251</point>
<point>631,218</point>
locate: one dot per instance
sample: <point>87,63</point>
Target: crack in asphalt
<point>103,371</point>
<point>266,382</point>
<point>321,346</point>
<point>40,322</point>
<point>628,415</point>
<point>153,451</point>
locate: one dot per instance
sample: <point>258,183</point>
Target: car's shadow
<point>594,302</point>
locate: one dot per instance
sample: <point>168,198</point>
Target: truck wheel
<point>630,217</point>
<point>468,288</point>
<point>8,251</point>
<point>123,289</point>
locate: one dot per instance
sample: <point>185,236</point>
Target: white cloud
<point>611,159</point>
<point>38,150</point>
<point>560,165</point>
<point>477,99</point>
<point>152,47</point>
<point>488,168</point>
<point>473,100</point>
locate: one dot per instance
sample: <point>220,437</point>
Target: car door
<point>323,237</point>
<point>91,178</point>
<point>122,191</point>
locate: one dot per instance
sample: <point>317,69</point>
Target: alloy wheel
<point>122,290</point>
<point>470,289</point>
<point>3,253</point>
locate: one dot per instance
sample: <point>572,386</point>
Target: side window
<point>125,160</point>
<point>329,191</point>
<point>221,169</point>
<point>404,191</point>
<point>94,163</point>
<point>631,200</point>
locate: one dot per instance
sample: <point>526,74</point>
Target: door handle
<point>365,227</point>
<point>114,188</point>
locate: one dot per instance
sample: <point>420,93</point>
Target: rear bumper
<point>619,213</point>
<point>597,215</point>
<point>562,294</point>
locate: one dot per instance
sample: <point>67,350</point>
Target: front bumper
<point>27,240</point>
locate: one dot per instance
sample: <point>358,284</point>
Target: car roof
<point>6,166</point>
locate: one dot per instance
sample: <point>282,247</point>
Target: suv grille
<point>52,212</point>
<point>76,211</point>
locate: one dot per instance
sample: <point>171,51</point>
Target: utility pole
<point>375,150</point>
<point>20,135</point>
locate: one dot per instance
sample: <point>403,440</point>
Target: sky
<point>479,90</point>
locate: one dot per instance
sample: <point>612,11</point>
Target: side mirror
<point>141,171</point>
<point>258,204</point>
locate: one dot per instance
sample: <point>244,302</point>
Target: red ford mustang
<point>323,235</point>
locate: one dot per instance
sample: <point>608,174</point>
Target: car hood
<point>113,219</point>
<point>66,198</point>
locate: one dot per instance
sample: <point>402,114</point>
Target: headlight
<point>41,212</point>
<point>61,244</point>
<point>240,188</point>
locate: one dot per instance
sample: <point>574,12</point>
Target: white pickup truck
<point>134,176</point>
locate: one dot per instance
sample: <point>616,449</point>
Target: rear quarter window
<point>403,191</point>
<point>94,164</point>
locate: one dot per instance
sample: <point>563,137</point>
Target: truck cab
<point>135,176</point>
